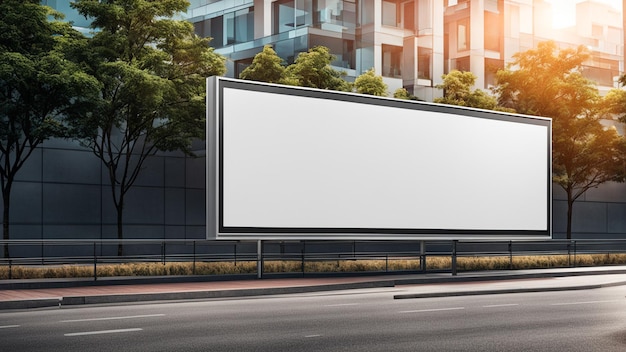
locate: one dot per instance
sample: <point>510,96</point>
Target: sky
<point>565,11</point>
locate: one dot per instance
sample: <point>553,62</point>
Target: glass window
<point>462,35</point>
<point>367,11</point>
<point>491,69</point>
<point>229,28</point>
<point>392,61</point>
<point>424,62</point>
<point>238,27</point>
<point>493,31</point>
<point>342,49</point>
<point>290,14</point>
<point>244,25</point>
<point>390,13</point>
<point>211,27</point>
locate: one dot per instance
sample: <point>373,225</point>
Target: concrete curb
<point>142,297</point>
<point>31,303</point>
<point>187,295</point>
<point>504,291</point>
<point>385,282</point>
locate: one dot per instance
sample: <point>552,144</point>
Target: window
<point>424,56</point>
<point>493,31</point>
<point>290,14</point>
<point>341,12</point>
<point>390,13</point>
<point>212,27</point>
<point>392,61</point>
<point>231,28</point>
<point>462,35</point>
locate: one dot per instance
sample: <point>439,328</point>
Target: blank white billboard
<point>293,163</point>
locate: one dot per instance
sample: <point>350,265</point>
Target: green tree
<point>152,68</point>
<point>549,82</point>
<point>39,87</point>
<point>312,69</point>
<point>266,66</point>
<point>457,90</point>
<point>402,93</point>
<point>370,83</point>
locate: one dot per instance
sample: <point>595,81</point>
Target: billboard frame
<point>216,229</point>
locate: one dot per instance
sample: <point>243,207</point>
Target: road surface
<point>355,320</point>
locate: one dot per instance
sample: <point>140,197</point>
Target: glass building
<point>411,43</point>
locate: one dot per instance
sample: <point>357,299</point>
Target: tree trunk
<point>6,198</point>
<point>120,234</point>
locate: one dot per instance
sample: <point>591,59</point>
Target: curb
<point>504,291</point>
<point>216,294</point>
<point>167,296</point>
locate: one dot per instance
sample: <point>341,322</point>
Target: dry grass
<point>277,266</point>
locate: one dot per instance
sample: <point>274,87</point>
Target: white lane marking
<point>9,326</point>
<point>310,336</point>
<point>341,305</point>
<point>501,305</point>
<point>102,332</point>
<point>430,310</point>
<point>587,302</point>
<point>113,318</point>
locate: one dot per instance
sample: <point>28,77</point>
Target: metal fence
<point>49,253</point>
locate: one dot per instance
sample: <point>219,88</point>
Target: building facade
<point>62,191</point>
<point>411,43</point>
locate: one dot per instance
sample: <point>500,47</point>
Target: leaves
<point>312,69</point>
<point>457,90</point>
<point>549,82</point>
<point>266,66</point>
<point>370,83</point>
<point>152,69</point>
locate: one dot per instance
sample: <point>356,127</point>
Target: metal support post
<point>510,255</point>
<point>95,260</point>
<point>259,259</point>
<point>193,270</point>
<point>422,255</point>
<point>454,257</point>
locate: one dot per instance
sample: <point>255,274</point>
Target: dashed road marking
<point>113,318</point>
<point>341,305</point>
<point>431,310</point>
<point>9,326</point>
<point>501,305</point>
<point>85,333</point>
<point>587,302</point>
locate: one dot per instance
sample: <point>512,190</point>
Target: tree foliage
<point>370,83</point>
<point>457,90</point>
<point>549,82</point>
<point>40,87</point>
<point>152,68</point>
<point>312,69</point>
<point>266,66</point>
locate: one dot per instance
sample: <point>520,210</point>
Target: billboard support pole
<point>259,259</point>
<point>422,255</point>
<point>454,257</point>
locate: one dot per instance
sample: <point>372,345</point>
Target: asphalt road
<point>355,320</point>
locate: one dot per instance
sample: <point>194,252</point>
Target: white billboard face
<point>307,164</point>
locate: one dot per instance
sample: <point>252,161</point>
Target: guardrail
<point>47,253</point>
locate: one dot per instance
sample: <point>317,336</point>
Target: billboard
<point>297,163</point>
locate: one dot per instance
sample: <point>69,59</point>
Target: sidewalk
<point>20,294</point>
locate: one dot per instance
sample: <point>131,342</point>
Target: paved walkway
<point>20,294</point>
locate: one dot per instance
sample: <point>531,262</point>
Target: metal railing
<point>49,253</point>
